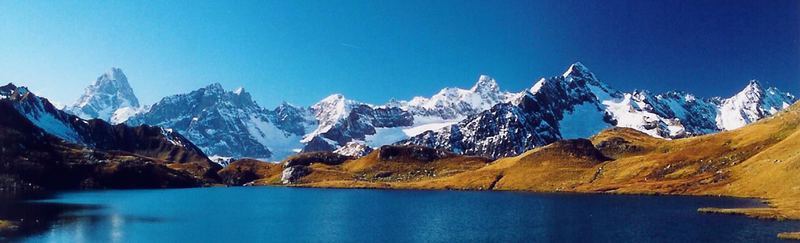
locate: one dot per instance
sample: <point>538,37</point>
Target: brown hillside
<point>243,171</point>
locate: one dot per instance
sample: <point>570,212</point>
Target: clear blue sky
<point>301,51</point>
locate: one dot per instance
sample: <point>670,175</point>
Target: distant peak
<point>9,86</point>
<point>109,92</point>
<point>215,87</point>
<point>485,84</point>
<point>753,88</point>
<point>114,74</point>
<point>578,70</point>
<point>114,70</point>
<point>333,98</point>
<point>238,90</point>
<point>640,94</point>
<point>287,105</point>
<point>10,89</point>
<point>753,84</point>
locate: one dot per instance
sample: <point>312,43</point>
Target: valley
<point>568,133</point>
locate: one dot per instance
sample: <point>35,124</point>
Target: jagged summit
<point>114,73</point>
<point>214,88</point>
<point>110,97</point>
<point>332,99</point>
<point>485,84</point>
<point>333,107</point>
<point>752,89</point>
<point>578,70</point>
<point>286,104</point>
<point>451,104</point>
<point>238,90</point>
<point>7,90</point>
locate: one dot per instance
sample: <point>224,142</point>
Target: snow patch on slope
<point>583,121</point>
<point>279,142</point>
<point>54,126</point>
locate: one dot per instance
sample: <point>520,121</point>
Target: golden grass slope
<point>560,166</point>
<point>389,165</point>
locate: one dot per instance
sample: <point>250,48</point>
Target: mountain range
<point>482,120</point>
<point>578,105</point>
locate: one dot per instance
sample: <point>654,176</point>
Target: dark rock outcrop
<point>581,147</point>
<point>305,159</point>
<point>411,153</point>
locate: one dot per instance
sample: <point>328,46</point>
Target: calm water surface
<point>327,215</point>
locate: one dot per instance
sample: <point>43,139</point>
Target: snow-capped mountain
<point>750,105</point>
<point>342,121</point>
<point>345,124</point>
<point>109,98</point>
<point>482,120</point>
<point>225,123</point>
<point>576,104</point>
<point>154,142</point>
<point>455,103</point>
<point>229,124</point>
<point>553,109</point>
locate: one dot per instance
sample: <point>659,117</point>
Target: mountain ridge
<point>335,121</point>
<point>559,107</point>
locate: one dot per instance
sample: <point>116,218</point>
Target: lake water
<point>259,214</point>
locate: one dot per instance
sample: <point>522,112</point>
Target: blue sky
<point>302,51</point>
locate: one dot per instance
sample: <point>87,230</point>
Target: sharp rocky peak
<point>214,87</point>
<point>7,89</point>
<point>485,84</point>
<point>578,70</point>
<point>109,93</point>
<point>334,100</point>
<point>285,105</point>
<point>239,90</point>
<point>11,89</point>
<point>113,74</point>
<point>752,86</point>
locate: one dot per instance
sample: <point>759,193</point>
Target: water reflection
<point>293,214</point>
<point>33,218</point>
